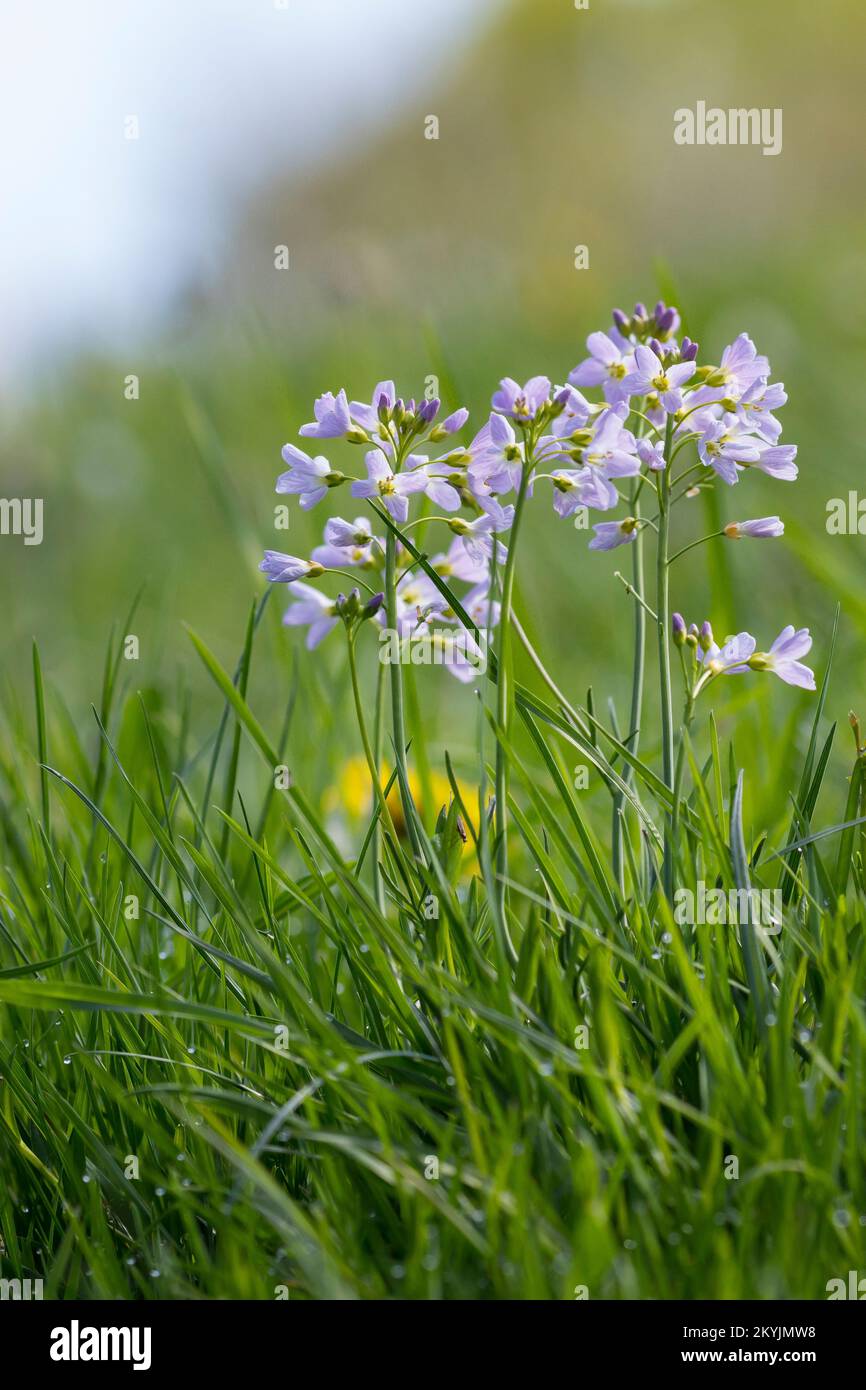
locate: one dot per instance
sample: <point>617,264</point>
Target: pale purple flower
<point>652,455</point>
<point>782,658</point>
<point>777,461</point>
<point>282,569</point>
<point>582,487</point>
<point>651,376</point>
<point>610,534</point>
<point>612,448</point>
<point>436,485</point>
<point>477,535</point>
<point>756,405</point>
<point>608,365</point>
<point>731,659</point>
<point>332,417</point>
<point>454,422</point>
<point>457,563</point>
<point>724,444</point>
<point>368,415</point>
<point>393,489</point>
<point>418,599</point>
<point>496,458</point>
<point>764,528</point>
<point>306,477</point>
<point>575,413</point>
<point>348,534</point>
<point>741,366</point>
<point>738,656</point>
<point>347,543</point>
<point>314,610</point>
<point>522,403</point>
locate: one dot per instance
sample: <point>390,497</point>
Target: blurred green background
<point>455,257</point>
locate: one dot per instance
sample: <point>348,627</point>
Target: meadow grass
<point>240,1056</point>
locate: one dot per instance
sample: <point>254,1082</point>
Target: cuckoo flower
<point>783,658</point>
<point>652,376</point>
<point>367,415</point>
<point>394,489</point>
<point>308,478</point>
<point>724,444</point>
<point>610,534</point>
<point>777,460</point>
<point>332,417</point>
<point>313,610</point>
<point>609,363</point>
<point>756,405</point>
<point>282,569</point>
<point>763,528</point>
<point>522,403</point>
<point>348,543</point>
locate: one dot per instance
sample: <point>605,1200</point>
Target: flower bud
<point>622,322</point>
<point>678,628</point>
<point>688,350</point>
<point>706,637</point>
<point>372,606</point>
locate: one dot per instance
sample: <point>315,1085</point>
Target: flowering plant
<point>663,425</point>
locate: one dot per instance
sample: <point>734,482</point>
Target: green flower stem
<point>638,663</point>
<point>398,719</point>
<point>691,546</point>
<point>664,623</point>
<point>378,794</point>
<point>504,693</point>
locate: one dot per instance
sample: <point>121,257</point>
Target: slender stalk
<point>681,750</point>
<point>638,663</point>
<point>664,644</point>
<point>398,719</point>
<point>372,765</point>
<point>504,694</point>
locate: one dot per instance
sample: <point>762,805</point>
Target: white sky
<point>97,231</point>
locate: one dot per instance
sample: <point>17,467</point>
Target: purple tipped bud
<point>706,636</point>
<point>640,311</point>
<point>657,347</point>
<point>429,410</point>
<point>666,320</point>
<point>622,321</point>
<point>678,629</point>
<point>372,606</point>
<point>689,350</point>
<point>454,422</point>
<point>659,310</point>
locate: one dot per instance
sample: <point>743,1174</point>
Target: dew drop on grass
<point>841,1218</point>
<point>771,1020</point>
<point>191,1051</point>
<point>67,1061</point>
<point>160,1191</point>
<point>630,1244</point>
<point>156,1273</point>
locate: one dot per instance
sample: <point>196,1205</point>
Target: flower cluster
<point>738,655</point>
<point>656,401</point>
